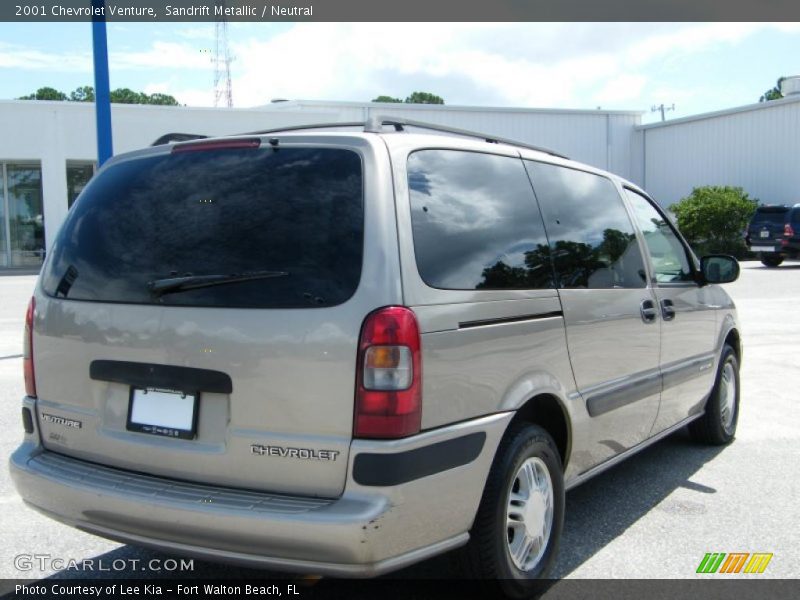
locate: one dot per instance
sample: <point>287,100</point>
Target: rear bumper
<point>390,515</point>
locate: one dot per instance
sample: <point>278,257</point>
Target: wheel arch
<point>734,340</point>
<point>548,412</point>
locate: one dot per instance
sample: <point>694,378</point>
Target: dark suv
<point>774,232</point>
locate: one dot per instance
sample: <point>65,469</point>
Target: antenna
<point>662,109</point>
<point>223,92</point>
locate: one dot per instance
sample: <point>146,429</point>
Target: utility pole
<point>102,94</point>
<point>662,109</point>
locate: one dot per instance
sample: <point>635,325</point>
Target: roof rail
<point>375,124</point>
<point>302,127</point>
<point>177,137</point>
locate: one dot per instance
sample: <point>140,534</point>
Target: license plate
<point>765,234</point>
<point>163,412</point>
<point>762,248</point>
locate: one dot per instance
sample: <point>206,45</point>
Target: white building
<point>48,149</point>
<point>755,147</point>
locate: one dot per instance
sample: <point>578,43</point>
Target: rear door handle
<point>667,309</point>
<point>648,310</point>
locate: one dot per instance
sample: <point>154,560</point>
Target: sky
<point>698,67</point>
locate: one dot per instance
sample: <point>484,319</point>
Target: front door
<point>688,319</point>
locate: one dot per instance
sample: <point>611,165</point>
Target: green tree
<point>45,93</point>
<point>85,93</point>
<point>773,94</point>
<point>161,99</point>
<point>128,96</point>
<point>713,217</point>
<point>424,98</point>
<point>387,99</point>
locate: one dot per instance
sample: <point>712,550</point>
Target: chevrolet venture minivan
<point>343,350</point>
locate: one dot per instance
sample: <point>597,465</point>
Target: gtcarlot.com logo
<point>734,562</point>
<point>48,562</point>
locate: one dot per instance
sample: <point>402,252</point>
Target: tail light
<point>787,230</point>
<point>27,351</point>
<point>389,378</point>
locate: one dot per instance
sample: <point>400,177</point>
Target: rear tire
<point>515,536</point>
<point>717,426</point>
<point>771,260</point>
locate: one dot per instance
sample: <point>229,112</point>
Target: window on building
<point>592,240</point>
<point>23,215</point>
<point>475,222</point>
<point>78,175</point>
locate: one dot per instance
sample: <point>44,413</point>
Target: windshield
<point>216,214</point>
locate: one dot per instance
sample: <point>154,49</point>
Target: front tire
<point>515,535</point>
<point>717,426</point>
<point>771,260</point>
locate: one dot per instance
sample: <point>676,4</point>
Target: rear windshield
<point>771,214</point>
<point>284,226</point>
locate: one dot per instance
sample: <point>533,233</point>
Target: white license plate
<point>765,234</point>
<point>762,248</point>
<point>163,412</point>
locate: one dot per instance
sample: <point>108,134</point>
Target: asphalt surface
<point>653,516</point>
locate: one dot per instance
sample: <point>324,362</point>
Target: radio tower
<point>223,92</point>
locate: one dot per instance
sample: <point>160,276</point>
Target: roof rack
<point>302,127</point>
<point>177,137</point>
<point>375,125</point>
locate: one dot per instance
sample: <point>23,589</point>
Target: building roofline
<point>722,113</point>
<point>321,104</point>
<point>388,106</point>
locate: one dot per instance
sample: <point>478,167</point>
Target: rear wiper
<point>192,282</point>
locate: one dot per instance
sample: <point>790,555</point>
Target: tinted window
<point>667,253</point>
<point>475,221</point>
<point>217,212</point>
<point>796,216</point>
<point>591,237</point>
<point>770,214</point>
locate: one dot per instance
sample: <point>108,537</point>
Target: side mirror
<point>719,268</point>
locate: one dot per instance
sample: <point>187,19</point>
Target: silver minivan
<point>344,350</point>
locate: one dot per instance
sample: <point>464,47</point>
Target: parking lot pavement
<point>654,516</point>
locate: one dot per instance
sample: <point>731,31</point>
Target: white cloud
<point>622,88</point>
<point>162,55</point>
<point>203,31</point>
<point>18,57</point>
<point>550,65</point>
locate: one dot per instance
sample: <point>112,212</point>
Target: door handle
<point>648,310</point>
<point>667,309</point>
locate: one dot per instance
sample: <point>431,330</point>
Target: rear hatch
<point>198,316</point>
<point>766,226</point>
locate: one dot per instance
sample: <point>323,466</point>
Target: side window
<point>592,240</point>
<point>475,222</point>
<point>667,253</point>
